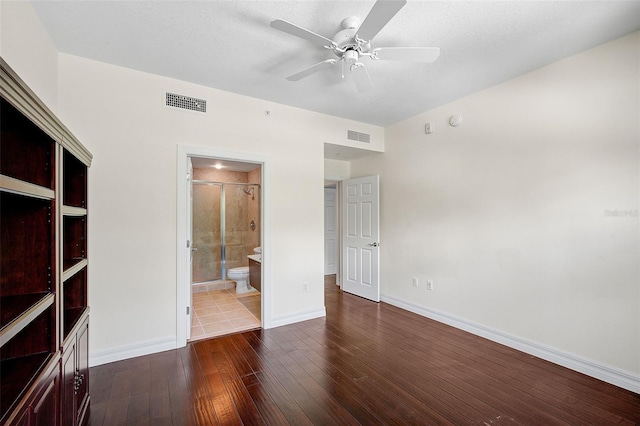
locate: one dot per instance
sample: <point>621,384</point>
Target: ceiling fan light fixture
<point>354,41</point>
<point>351,57</point>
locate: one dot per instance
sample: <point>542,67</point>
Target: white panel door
<point>330,232</point>
<point>360,233</point>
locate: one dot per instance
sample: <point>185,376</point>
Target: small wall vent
<point>185,102</point>
<point>359,137</point>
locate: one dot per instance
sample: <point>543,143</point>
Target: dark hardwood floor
<point>365,363</point>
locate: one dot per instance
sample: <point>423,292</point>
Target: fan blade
<point>409,54</point>
<point>380,14</point>
<point>297,31</point>
<point>312,69</point>
<point>361,78</point>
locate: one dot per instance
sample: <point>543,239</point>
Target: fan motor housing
<point>345,40</point>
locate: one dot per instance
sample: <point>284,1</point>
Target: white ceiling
<point>229,45</point>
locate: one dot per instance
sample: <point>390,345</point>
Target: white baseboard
<point>301,316</point>
<point>167,343</point>
<point>615,376</point>
<point>131,351</point>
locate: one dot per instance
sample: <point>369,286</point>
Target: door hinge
<point>188,243</point>
<point>187,310</point>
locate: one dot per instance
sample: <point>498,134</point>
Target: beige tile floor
<point>220,312</point>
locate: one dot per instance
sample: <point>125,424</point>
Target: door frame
<point>183,270</point>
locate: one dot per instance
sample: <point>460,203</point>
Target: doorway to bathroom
<point>225,246</point>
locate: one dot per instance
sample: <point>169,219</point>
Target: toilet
<point>241,276</point>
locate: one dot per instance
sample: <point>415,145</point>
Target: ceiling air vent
<point>185,102</point>
<point>359,137</point>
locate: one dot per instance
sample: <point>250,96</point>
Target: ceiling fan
<point>353,42</point>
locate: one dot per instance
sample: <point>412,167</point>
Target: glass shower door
<point>207,239</point>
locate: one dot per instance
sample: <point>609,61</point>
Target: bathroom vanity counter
<point>255,271</point>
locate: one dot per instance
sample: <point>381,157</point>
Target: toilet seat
<point>239,270</point>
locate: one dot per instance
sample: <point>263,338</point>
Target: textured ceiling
<point>229,45</point>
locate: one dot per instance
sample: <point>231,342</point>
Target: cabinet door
<point>75,377</point>
<point>45,408</point>
<point>68,385</point>
<point>82,370</point>
<point>255,274</point>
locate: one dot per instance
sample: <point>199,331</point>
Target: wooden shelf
<point>71,317</point>
<point>20,187</point>
<point>72,267</point>
<point>26,354</point>
<point>73,211</point>
<point>17,375</point>
<point>17,312</point>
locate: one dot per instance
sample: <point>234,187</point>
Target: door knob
<point>373,244</point>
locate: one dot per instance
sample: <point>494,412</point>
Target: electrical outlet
<point>415,281</point>
<point>429,285</point>
<point>305,287</point>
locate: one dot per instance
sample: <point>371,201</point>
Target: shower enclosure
<point>226,227</point>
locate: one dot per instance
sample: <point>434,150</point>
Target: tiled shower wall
<point>254,176</point>
<point>240,211</point>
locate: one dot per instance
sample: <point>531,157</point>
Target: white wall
<point>337,169</point>
<point>27,48</point>
<point>119,114</point>
<point>507,213</point>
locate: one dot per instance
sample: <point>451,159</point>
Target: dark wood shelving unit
<point>43,245</point>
